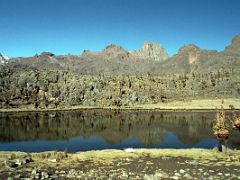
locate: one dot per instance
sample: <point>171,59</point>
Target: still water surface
<point>106,129</point>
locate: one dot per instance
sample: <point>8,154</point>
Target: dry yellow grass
<point>196,104</point>
<point>110,154</point>
<point>201,104</point>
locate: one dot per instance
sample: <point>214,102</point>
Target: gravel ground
<point>127,167</point>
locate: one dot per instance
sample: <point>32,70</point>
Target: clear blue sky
<point>28,27</point>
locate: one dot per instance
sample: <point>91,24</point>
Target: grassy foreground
<point>109,155</point>
<point>121,164</point>
<point>201,104</point>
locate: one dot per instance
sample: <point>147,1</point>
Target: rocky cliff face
<point>190,52</point>
<point>149,52</point>
<point>152,51</point>
<point>192,58</point>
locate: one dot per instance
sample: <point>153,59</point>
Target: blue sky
<point>28,27</point>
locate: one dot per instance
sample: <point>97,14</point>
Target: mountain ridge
<point>151,57</point>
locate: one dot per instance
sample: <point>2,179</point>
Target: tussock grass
<point>107,156</point>
<point>196,104</point>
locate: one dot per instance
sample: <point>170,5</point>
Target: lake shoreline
<point>193,105</point>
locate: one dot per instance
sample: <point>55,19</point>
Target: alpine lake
<point>84,130</point>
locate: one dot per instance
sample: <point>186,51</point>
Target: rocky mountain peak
<point>236,39</point>
<point>149,45</point>
<point>153,51</point>
<point>189,52</point>
<point>113,48</point>
<point>86,52</point>
<point>45,54</point>
<point>234,47</point>
<point>115,52</point>
<point>189,49</point>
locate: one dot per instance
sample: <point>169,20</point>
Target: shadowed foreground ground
<point>118,164</point>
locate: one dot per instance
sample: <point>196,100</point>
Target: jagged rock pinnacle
<point>153,51</point>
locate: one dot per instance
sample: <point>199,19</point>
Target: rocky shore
<point>122,164</point>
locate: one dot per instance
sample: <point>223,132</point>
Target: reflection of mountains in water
<point>114,126</point>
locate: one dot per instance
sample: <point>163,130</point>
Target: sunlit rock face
<point>2,59</point>
<point>152,51</point>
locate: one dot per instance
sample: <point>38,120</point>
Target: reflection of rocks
<point>114,126</point>
<point>192,127</point>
